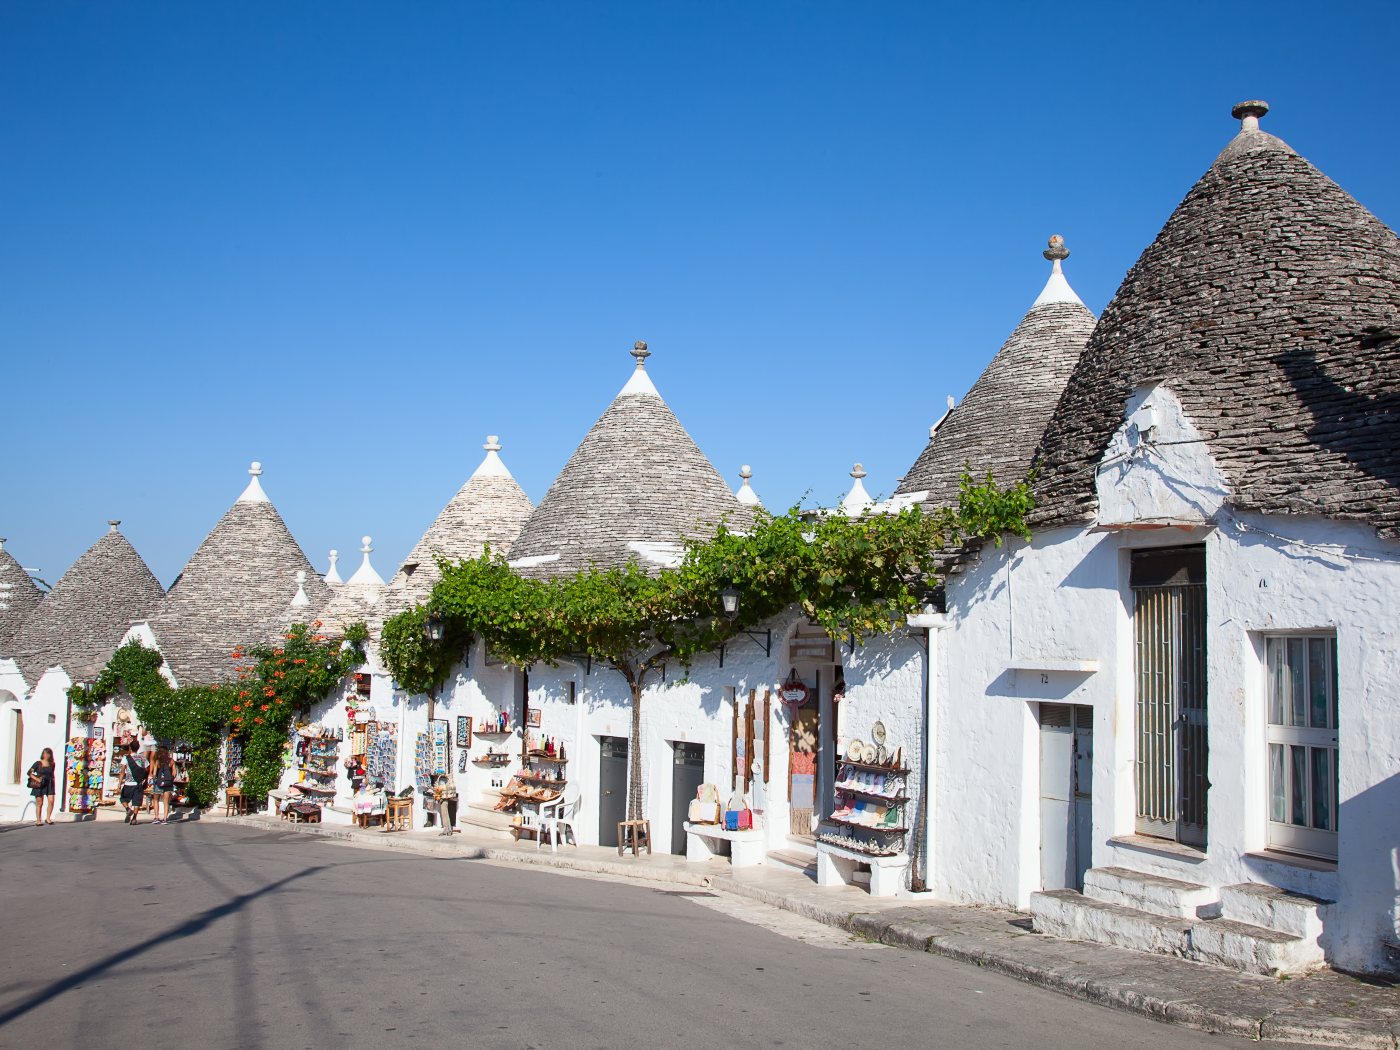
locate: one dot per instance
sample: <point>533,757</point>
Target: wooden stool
<point>640,829</point>
<point>234,802</point>
<point>399,815</point>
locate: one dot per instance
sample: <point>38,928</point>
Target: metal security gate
<point>1066,793</point>
<point>1169,633</point>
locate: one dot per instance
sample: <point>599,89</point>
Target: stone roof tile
<point>236,590</point>
<point>1270,305</point>
<point>80,623</point>
<point>18,596</point>
<point>637,481</point>
<point>999,423</point>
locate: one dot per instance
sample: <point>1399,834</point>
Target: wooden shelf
<point>529,779</point>
<point>494,759</point>
<point>872,766</point>
<point>893,800</point>
<point>867,827</point>
<point>856,849</point>
<point>493,732</point>
<point>541,756</point>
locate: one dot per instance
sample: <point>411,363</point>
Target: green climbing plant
<point>856,577</point>
<point>274,684</point>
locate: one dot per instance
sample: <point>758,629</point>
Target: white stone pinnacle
<point>365,573</point>
<point>254,492</point>
<point>745,494</point>
<point>639,382</point>
<point>1057,289</point>
<point>333,574</point>
<point>857,501</point>
<point>492,465</point>
<point>300,600</point>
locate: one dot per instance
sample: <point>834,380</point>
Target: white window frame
<point>1301,818</point>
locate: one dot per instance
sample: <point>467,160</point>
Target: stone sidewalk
<point>1321,1009</point>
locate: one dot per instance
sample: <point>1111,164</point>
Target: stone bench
<point>837,867</point>
<point>746,848</point>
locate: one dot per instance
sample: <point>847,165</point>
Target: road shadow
<point>191,926</point>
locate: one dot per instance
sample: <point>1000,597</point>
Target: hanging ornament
<point>794,692</point>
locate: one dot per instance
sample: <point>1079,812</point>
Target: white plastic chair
<point>557,815</point>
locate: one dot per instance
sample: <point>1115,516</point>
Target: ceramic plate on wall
<point>878,732</point>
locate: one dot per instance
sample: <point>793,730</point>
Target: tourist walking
<point>134,775</point>
<point>162,786</point>
<point>41,786</point>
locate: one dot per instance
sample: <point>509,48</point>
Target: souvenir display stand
<point>540,779</point>
<point>867,828</point>
<point>317,752</point>
<point>86,758</point>
<point>432,757</point>
<point>382,752</point>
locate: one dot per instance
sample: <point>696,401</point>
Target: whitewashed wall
<point>1024,616</point>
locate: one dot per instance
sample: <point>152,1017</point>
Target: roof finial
<point>365,573</point>
<point>299,599</point>
<point>113,522</point>
<point>1249,112</point>
<point>254,492</point>
<point>746,495</point>
<point>333,574</point>
<point>493,443</point>
<point>857,501</point>
<point>1057,289</point>
<point>2,542</point>
<point>641,353</point>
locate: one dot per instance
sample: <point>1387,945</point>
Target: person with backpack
<point>134,775</point>
<point>163,785</point>
<point>41,786</point>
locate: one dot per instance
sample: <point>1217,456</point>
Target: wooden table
<point>640,829</point>
<point>399,815</point>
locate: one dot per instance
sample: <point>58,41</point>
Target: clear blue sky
<point>350,240</point>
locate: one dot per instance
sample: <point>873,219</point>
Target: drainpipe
<point>929,621</point>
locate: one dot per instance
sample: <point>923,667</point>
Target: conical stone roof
<point>80,623</point>
<point>489,509</point>
<point>634,488</point>
<point>1269,305</point>
<point>1000,422</point>
<point>236,590</point>
<point>18,596</point>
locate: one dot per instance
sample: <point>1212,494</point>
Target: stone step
<point>1224,942</point>
<point>482,816</point>
<point>1253,949</point>
<point>1170,898</point>
<point>1256,904</point>
<point>794,858</point>
<point>1073,916</point>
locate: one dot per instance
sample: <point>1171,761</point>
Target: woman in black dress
<point>41,786</point>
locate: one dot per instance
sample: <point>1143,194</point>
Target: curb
<point>1280,1022</point>
<point>396,843</point>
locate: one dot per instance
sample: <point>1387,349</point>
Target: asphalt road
<point>206,936</point>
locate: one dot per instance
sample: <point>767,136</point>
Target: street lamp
<point>729,597</point>
<point>432,628</point>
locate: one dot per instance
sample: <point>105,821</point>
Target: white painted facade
<point>1050,621</point>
